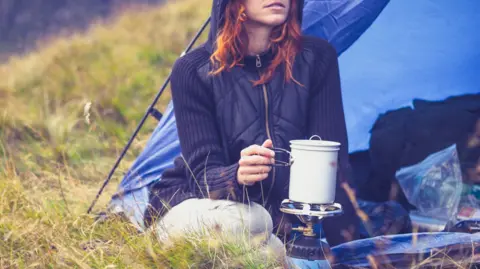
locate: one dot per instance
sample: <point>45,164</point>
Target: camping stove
<point>308,249</point>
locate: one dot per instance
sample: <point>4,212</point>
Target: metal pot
<point>313,170</point>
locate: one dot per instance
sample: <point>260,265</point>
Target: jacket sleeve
<point>200,142</point>
<point>326,115</point>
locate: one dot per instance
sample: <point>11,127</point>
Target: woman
<point>256,84</point>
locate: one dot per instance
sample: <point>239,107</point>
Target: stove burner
<point>308,246</point>
<point>311,210</point>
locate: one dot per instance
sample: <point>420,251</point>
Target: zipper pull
<point>259,61</point>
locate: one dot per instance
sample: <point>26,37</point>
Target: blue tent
<point>390,53</point>
<point>415,49</point>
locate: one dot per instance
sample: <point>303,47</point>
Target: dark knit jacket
<point>218,116</point>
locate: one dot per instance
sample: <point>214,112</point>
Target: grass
<point>53,160</point>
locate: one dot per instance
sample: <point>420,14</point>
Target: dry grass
<point>39,230</point>
<point>53,160</point>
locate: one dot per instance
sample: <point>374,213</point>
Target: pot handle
<point>291,159</point>
<point>317,136</point>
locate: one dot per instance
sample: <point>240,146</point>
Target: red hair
<point>232,42</point>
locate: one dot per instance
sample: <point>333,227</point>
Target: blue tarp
<point>391,52</point>
<point>403,251</point>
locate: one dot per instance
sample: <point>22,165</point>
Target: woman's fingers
<point>257,150</point>
<point>255,160</point>
<point>250,174</point>
<point>254,169</point>
<point>254,163</point>
<point>267,144</point>
<point>252,178</point>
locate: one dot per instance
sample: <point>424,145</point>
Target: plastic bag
<point>434,185</point>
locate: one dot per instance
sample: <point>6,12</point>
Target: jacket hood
<point>217,20</point>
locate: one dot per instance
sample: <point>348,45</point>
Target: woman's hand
<point>255,163</point>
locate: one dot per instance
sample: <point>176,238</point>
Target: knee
<point>260,220</point>
<point>255,219</point>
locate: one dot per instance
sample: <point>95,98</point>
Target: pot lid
<point>314,143</point>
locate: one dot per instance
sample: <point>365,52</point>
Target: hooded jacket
<point>218,116</point>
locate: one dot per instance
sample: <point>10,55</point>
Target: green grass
<point>53,161</point>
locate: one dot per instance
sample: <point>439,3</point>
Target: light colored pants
<point>227,217</point>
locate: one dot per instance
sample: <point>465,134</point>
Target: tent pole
<point>150,110</point>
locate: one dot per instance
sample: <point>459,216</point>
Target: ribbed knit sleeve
<point>326,117</point>
<point>200,141</point>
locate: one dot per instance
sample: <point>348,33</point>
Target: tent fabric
<point>400,250</point>
<point>132,196</point>
<point>340,22</point>
<point>132,206</point>
<point>160,151</point>
<point>414,49</point>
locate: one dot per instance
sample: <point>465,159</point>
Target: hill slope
<point>23,22</point>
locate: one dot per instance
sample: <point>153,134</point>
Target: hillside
<point>24,22</point>
<point>54,158</point>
